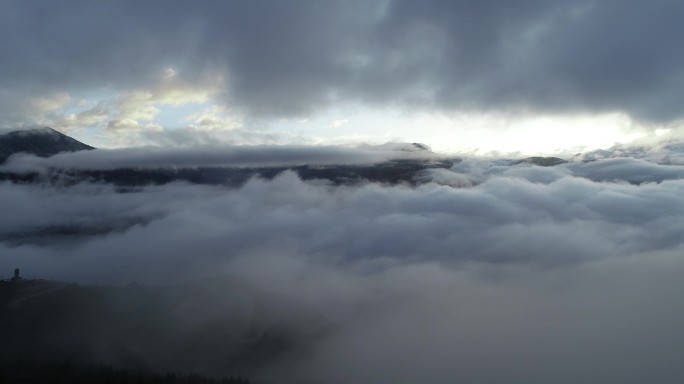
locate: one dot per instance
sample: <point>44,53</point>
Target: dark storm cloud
<point>283,58</point>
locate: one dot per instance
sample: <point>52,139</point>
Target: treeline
<point>30,371</point>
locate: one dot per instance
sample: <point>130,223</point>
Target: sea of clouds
<point>488,272</point>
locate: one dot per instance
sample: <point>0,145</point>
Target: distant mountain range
<point>47,142</point>
<point>43,142</point>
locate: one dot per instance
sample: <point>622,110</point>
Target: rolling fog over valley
<point>341,192</point>
<point>280,278</point>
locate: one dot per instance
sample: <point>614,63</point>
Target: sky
<point>485,269</point>
<point>461,76</point>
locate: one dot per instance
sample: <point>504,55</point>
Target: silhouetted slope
<point>543,161</point>
<point>53,372</point>
<point>185,328</point>
<point>42,142</point>
<point>390,172</point>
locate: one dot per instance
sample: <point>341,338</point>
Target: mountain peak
<point>49,131</point>
<point>43,142</point>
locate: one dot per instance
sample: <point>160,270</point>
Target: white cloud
<point>88,118</point>
<point>338,123</point>
<point>129,113</point>
<point>131,125</point>
<point>137,106</point>
<point>212,119</point>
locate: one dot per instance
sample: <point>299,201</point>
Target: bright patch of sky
<point>456,133</point>
<point>173,117</point>
<point>461,132</point>
<point>105,118</point>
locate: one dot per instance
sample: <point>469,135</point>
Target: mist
<point>492,271</point>
<point>216,156</point>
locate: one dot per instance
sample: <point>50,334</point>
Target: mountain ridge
<point>42,142</point>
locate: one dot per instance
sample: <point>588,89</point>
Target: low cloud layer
<point>218,156</point>
<point>520,274</point>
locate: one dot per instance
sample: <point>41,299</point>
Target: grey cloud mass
<point>518,274</point>
<point>294,58</point>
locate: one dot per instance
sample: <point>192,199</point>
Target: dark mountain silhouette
<point>29,371</point>
<point>43,142</point>
<point>218,327</point>
<point>543,161</point>
<point>390,172</point>
<point>47,142</point>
